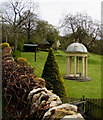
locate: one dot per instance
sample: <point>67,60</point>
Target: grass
<point>40,60</point>
<point>91,89</point>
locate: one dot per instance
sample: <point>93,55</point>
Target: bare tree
<point>82,28</point>
<point>29,24</point>
<point>13,15</point>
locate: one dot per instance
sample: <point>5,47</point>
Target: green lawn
<point>91,89</point>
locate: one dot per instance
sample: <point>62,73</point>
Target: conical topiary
<point>52,76</point>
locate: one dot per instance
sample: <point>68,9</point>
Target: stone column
<point>67,66</point>
<point>70,64</point>
<point>86,66</point>
<point>75,65</point>
<point>77,62</point>
<point>83,66</point>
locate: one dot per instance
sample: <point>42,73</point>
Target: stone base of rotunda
<point>80,78</point>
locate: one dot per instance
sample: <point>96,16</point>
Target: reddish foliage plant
<point>17,82</point>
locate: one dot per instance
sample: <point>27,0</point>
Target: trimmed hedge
<point>52,76</point>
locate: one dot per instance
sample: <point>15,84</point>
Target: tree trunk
<point>15,40</point>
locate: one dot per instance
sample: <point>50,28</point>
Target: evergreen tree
<point>52,76</point>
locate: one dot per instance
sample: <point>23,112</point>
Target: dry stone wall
<point>48,106</point>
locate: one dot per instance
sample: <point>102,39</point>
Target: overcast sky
<point>52,10</point>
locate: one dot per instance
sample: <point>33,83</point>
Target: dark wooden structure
<point>31,48</point>
<point>44,45</point>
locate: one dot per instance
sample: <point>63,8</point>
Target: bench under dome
<point>76,69</point>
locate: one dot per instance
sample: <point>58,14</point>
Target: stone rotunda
<point>77,62</point>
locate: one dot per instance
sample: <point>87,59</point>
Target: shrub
<point>16,54</point>
<point>22,61</point>
<point>3,45</point>
<point>17,82</point>
<point>6,50</point>
<point>20,46</point>
<point>52,76</point>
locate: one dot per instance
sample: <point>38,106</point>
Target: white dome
<point>76,47</point>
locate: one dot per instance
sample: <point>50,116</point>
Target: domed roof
<point>76,47</point>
